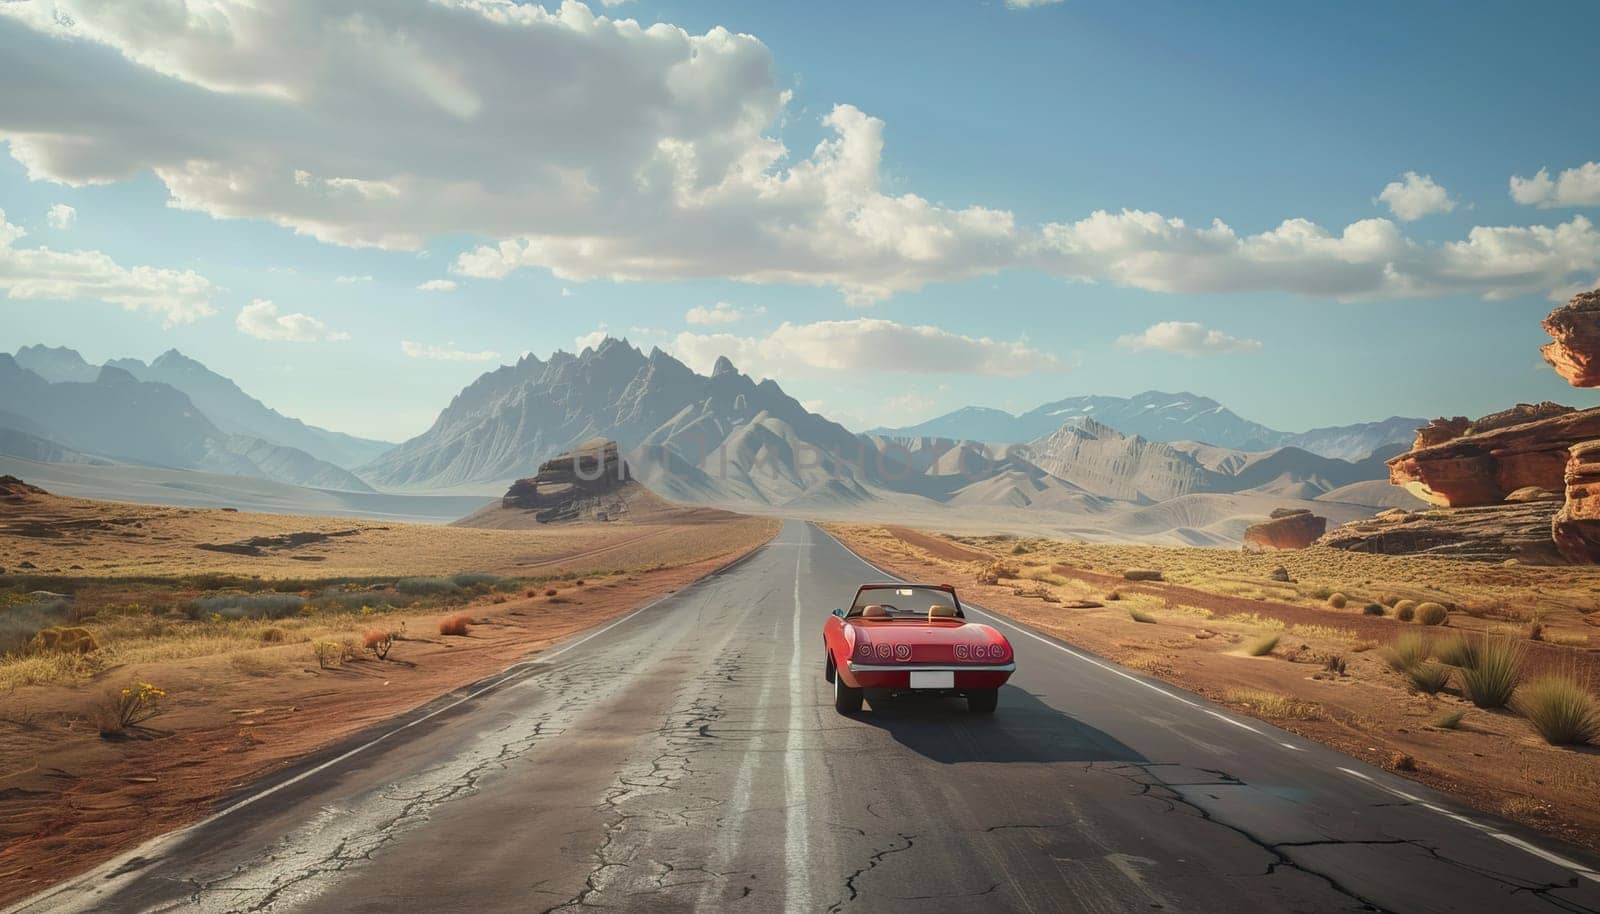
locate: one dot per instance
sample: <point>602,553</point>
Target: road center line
<point>796,839</point>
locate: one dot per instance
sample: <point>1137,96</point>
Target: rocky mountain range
<point>118,417</point>
<point>1157,416</point>
<point>218,399</point>
<point>722,438</point>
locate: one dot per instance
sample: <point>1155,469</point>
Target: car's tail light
<point>864,650</point>
<point>885,651</point>
<point>902,652</point>
<point>962,651</point>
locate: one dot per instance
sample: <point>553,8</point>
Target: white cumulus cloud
<point>1415,196</point>
<point>437,285</point>
<point>61,216</point>
<point>1186,337</point>
<point>42,274</point>
<point>592,339</point>
<point>861,345</point>
<point>352,280</point>
<point>1030,4</point>
<point>1578,186</point>
<point>647,153</point>
<point>446,353</point>
<point>262,320</point>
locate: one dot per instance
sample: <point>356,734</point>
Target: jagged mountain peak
<point>723,366</point>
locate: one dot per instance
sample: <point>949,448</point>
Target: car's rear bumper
<point>898,676</point>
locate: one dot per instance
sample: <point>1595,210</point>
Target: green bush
<point>1561,709</point>
<point>1494,673</point>
<point>1432,614</point>
<point>336,599</point>
<point>1458,651</point>
<point>247,606</point>
<point>1429,676</point>
<point>1407,651</point>
<point>427,587</point>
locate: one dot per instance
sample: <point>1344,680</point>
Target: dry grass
<point>1273,705</point>
<point>1449,719</point>
<point>1428,676</point>
<point>458,624</point>
<point>1407,651</point>
<point>1561,708</point>
<point>1139,615</point>
<point>1494,673</point>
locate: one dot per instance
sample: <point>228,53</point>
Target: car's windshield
<point>905,603</point>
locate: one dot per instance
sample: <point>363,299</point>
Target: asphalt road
<point>688,757</point>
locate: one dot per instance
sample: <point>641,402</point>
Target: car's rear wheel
<point>845,699</point>
<point>983,701</point>
<point>827,667</point>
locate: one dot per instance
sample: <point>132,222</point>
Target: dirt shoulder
<point>70,799</point>
<point>1494,760</point>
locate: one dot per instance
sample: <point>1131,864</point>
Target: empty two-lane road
<point>688,757</point>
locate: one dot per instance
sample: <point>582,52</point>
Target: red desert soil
<point>70,799</point>
<point>1494,761</point>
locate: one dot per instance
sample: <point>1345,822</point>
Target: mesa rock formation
<point>573,484</point>
<point>1574,349</point>
<point>1286,528</point>
<point>1496,479</point>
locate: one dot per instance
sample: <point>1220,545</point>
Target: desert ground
<point>258,639</point>
<point>1312,653</point>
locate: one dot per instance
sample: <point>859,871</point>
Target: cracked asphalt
<point>689,758</point>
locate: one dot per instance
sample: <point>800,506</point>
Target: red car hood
<point>954,642</point>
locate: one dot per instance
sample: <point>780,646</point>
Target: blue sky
<point>1249,113</point>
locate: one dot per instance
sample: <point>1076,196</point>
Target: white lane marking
<point>148,849</point>
<point>1518,843</point>
<point>796,839</point>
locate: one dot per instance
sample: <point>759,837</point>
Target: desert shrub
<point>1406,611</point>
<point>1139,615</point>
<point>1428,676</point>
<point>1113,596</point>
<point>549,591</point>
<point>119,709</point>
<point>1561,709</point>
<point>1494,673</point>
<point>232,606</point>
<point>65,640</point>
<point>1457,651</point>
<point>1361,647</point>
<point>1372,609</point>
<point>1448,720</point>
<point>427,587</point>
<point>1432,614</point>
<point>1020,549</point>
<point>578,582</point>
<point>476,579</point>
<point>1320,592</point>
<point>335,599</point>
<point>327,653</point>
<point>1261,646</point>
<point>455,624</point>
<point>379,642</point>
<point>273,636</point>
<point>1567,639</point>
<point>1407,651</point>
<point>1335,664</point>
<point>1273,705</point>
<point>1337,600</point>
<point>1389,599</point>
<point>1142,574</point>
<point>19,623</point>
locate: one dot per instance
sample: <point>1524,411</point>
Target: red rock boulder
<point>1576,527</point>
<point>1287,528</point>
<point>1495,456</point>
<point>1574,350</point>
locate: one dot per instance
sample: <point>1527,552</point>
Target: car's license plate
<point>933,679</point>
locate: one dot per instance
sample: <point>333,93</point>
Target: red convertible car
<point>913,638</point>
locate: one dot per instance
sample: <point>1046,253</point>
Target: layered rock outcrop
<point>1463,464</point>
<point>1286,528</point>
<point>572,484</point>
<point>1493,533</point>
<point>1576,527</point>
<point>1574,349</point>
